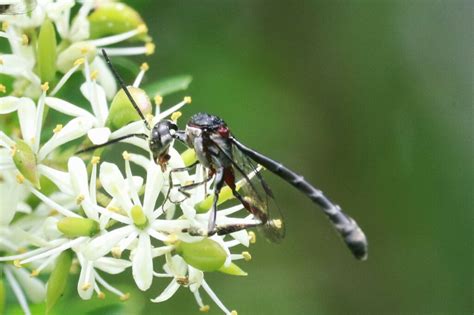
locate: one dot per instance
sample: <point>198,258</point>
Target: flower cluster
<point>62,212</point>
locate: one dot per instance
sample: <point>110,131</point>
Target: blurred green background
<point>372,102</point>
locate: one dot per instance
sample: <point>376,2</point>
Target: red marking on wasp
<point>224,131</point>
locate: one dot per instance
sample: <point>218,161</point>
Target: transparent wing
<point>14,7</point>
<point>254,189</point>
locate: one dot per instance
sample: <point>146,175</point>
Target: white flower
<point>137,218</point>
<point>31,125</point>
<point>185,275</point>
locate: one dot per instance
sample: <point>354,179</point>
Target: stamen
<point>45,86</point>
<point>173,109</point>
<point>58,128</point>
<point>252,237</point>
<point>55,251</point>
<point>32,252</point>
<point>247,256</point>
<point>150,49</point>
<point>158,100</point>
<point>143,68</point>
<point>3,88</point>
<point>204,308</point>
<point>95,160</point>
<point>94,75</point>
<point>25,40</point>
<point>20,179</point>
<point>114,39</point>
<point>80,199</point>
<point>67,75</point>
<point>5,26</point>
<point>43,265</point>
<point>214,297</point>
<point>131,51</point>
<point>110,288</point>
<point>93,182</point>
<point>175,116</point>
<point>17,291</point>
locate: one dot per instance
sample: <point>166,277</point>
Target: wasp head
<point>162,134</point>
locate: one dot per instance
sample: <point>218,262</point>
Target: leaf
<point>169,85</point>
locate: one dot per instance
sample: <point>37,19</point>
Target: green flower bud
<point>206,204</point>
<point>76,227</point>
<point>47,52</point>
<point>189,157</point>
<point>233,270</point>
<point>75,54</point>
<point>58,279</point>
<point>2,296</point>
<point>122,111</point>
<point>115,18</point>
<point>205,255</point>
<point>25,162</point>
<point>139,218</point>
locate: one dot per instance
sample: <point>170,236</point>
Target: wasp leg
<point>170,180</point>
<point>219,182</point>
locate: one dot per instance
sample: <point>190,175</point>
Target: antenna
<point>124,88</point>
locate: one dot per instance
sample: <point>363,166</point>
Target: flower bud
<point>70,56</point>
<point>205,255</point>
<point>115,18</point>
<point>58,279</point>
<point>76,227</point>
<point>206,204</point>
<point>25,162</point>
<point>233,270</point>
<point>2,296</point>
<point>47,52</point>
<point>189,157</point>
<point>122,111</point>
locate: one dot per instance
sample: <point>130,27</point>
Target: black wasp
<point>227,159</point>
<point>14,7</point>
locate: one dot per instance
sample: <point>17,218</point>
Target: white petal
<point>79,178</point>
<point>9,195</point>
<point>74,129</point>
<point>27,117</point>
<point>131,128</point>
<point>14,65</point>
<point>85,277</point>
<point>242,236</point>
<point>106,78</point>
<point>142,263</point>
<point>8,104</point>
<point>101,245</point>
<point>34,289</point>
<point>99,135</point>
<point>67,108</point>
<point>112,265</point>
<point>113,182</point>
<point>95,94</point>
<point>154,182</point>
<point>196,277</point>
<point>168,292</point>
<point>178,266</point>
<point>61,179</point>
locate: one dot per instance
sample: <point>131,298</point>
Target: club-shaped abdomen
<point>347,227</point>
